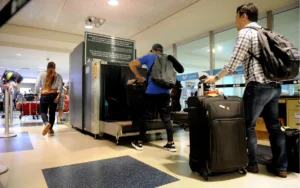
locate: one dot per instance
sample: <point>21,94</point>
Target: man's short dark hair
<point>250,9</point>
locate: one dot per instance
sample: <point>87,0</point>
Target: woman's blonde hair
<point>51,74</point>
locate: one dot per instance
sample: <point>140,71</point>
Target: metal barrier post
<point>11,108</point>
<point>6,129</point>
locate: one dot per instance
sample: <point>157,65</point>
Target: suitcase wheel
<point>205,176</point>
<point>193,169</point>
<point>242,171</point>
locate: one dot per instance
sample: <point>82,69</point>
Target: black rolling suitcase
<point>217,135</point>
<point>292,148</point>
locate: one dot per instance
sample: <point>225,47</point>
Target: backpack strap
<point>252,55</point>
<point>149,72</point>
<point>255,28</point>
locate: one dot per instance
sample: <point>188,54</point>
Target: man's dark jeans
<point>262,99</point>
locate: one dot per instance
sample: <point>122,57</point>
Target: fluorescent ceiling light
<point>17,69</point>
<point>1,67</point>
<point>18,54</point>
<point>113,2</point>
<point>88,26</point>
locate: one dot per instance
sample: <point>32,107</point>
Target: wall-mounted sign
<point>110,49</point>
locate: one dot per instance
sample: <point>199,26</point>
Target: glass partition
<point>194,57</point>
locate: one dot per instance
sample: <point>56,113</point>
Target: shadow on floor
<point>19,143</point>
<point>1,185</point>
<point>180,166</point>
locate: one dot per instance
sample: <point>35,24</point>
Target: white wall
<point>31,86</point>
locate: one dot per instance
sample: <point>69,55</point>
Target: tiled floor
<point>70,147</point>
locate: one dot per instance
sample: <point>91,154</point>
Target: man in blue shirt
<point>156,97</point>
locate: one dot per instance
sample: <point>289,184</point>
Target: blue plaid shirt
<point>247,40</point>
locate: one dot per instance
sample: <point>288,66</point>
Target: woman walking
<point>50,83</point>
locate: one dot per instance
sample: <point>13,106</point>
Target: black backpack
<point>10,75</point>
<point>279,58</point>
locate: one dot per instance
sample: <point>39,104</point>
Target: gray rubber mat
<point>19,143</point>
<point>125,172</point>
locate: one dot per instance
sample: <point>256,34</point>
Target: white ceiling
<point>128,18</point>
<point>31,62</point>
<point>125,20</point>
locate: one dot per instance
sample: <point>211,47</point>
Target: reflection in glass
<point>194,57</point>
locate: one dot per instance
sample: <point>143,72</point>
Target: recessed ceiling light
<point>88,26</point>
<point>17,69</point>
<point>113,2</point>
<point>220,48</point>
<point>18,54</point>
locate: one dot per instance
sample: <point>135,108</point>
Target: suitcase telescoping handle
<point>189,109</point>
<point>202,86</point>
<point>139,85</point>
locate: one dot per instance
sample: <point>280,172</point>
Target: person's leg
<point>277,138</point>
<point>164,112</point>
<point>15,106</point>
<point>44,103</point>
<point>52,109</point>
<point>44,108</point>
<point>165,116</point>
<point>60,112</point>
<point>254,101</point>
<point>147,116</point>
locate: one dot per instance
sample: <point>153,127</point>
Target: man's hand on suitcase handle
<point>210,80</point>
<point>140,79</point>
